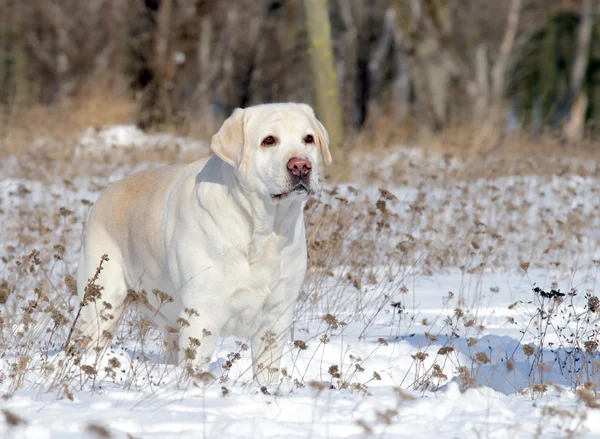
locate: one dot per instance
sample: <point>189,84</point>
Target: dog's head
<point>276,150</point>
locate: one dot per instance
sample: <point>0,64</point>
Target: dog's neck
<point>272,226</point>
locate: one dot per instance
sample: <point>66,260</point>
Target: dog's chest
<point>258,286</point>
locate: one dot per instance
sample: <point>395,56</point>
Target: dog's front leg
<point>268,343</point>
<point>197,341</point>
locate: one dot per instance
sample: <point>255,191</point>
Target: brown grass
<point>483,146</point>
<point>361,248</point>
<point>20,128</point>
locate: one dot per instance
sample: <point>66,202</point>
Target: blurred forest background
<point>530,66</point>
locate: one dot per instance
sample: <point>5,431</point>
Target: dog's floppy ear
<point>228,143</point>
<point>322,134</point>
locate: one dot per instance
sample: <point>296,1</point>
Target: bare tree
<point>575,125</point>
<point>379,57</point>
<point>347,62</point>
<point>500,67</point>
<point>156,103</point>
<point>325,85</point>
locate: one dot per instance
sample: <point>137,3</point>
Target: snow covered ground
<point>433,326</point>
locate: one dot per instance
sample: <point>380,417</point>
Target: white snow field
<point>439,303</point>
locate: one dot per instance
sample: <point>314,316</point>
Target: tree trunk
<point>577,98</point>
<point>582,54</point>
<point>347,63</point>
<point>203,115</point>
<point>499,69</point>
<point>375,66</point>
<point>115,27</point>
<point>434,58</point>
<point>482,100</point>
<point>325,85</point>
<point>401,84</point>
<point>156,107</point>
<point>575,127</point>
<point>5,44</point>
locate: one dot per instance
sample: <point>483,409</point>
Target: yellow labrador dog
<point>223,236</point>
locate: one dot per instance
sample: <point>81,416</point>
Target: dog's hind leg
<point>101,288</point>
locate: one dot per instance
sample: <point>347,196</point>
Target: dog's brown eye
<point>309,139</point>
<point>269,141</point>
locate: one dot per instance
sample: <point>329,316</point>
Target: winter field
<point>445,297</point>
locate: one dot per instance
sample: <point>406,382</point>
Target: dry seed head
<point>194,342</point>
<point>431,336</point>
<point>438,373</point>
<point>162,296</point>
<point>544,367</point>
<point>137,297</point>
<point>470,323</point>
<point>88,370</point>
<point>318,385</point>
<point>445,350</point>
<point>191,312</point>
<point>13,420</point>
<point>264,390</point>
<point>528,350</point>
<point>269,339</point>
<point>402,395</point>
<point>21,365</point>
<point>591,346</point>
<point>334,371</point>
<point>183,323</point>
<point>557,412</point>
<point>71,284</point>
<point>366,429</point>
<point>65,212</point>
<point>387,195</point>
<point>482,358</point>
<point>540,388</point>
<point>58,318</point>
<point>67,392</point>
<point>5,291</point>
<point>420,356</point>
<point>386,416</point>
<point>189,353</point>
<point>99,431</point>
<point>300,344</point>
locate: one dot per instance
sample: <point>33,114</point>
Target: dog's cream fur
<point>216,235</point>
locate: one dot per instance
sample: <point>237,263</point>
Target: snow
<point>383,389</point>
<point>308,413</point>
<point>95,142</point>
